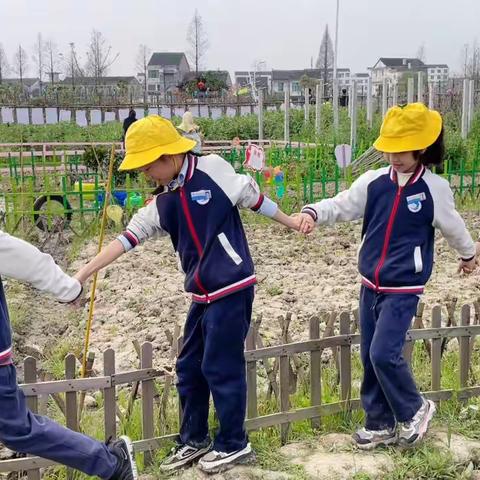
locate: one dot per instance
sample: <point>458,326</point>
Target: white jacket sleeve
<point>447,219</point>
<point>144,224</point>
<point>22,261</point>
<point>346,206</point>
<point>242,190</point>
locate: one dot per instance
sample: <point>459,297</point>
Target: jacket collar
<point>417,175</point>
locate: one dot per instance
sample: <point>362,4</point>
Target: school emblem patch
<point>414,202</point>
<point>202,197</point>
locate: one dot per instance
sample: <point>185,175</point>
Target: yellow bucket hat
<point>408,128</point>
<point>150,138</point>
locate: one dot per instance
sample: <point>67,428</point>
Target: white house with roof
<point>291,79</point>
<point>392,69</point>
<point>165,71</point>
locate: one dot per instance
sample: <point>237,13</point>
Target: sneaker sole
<point>187,462</point>
<point>245,459</point>
<point>374,445</point>
<point>423,427</point>
<point>131,456</point>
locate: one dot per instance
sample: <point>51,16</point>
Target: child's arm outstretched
<point>451,224</point>
<point>22,261</point>
<point>143,225</point>
<point>346,206</point>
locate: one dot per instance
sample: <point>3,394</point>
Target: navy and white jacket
<point>199,210</point>
<point>397,249</point>
<point>24,262</point>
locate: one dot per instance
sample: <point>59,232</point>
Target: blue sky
<point>284,33</point>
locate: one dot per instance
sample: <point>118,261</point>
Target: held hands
<point>468,267</point>
<point>304,223</point>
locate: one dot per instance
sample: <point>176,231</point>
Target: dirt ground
<point>141,295</point>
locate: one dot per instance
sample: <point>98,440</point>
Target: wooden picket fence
<point>282,366</point>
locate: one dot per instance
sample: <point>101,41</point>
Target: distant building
<point>362,82</point>
<point>438,73</point>
<point>291,79</point>
<point>29,84</point>
<point>393,69</point>
<point>165,71</point>
<point>261,79</point>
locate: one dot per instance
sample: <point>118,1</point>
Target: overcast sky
<point>284,33</point>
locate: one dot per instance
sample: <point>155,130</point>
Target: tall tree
<point>325,56</point>
<point>20,63</point>
<point>39,58</point>
<point>99,56</point>
<point>52,60</point>
<point>197,40</point>
<point>143,56</point>
<point>4,65</point>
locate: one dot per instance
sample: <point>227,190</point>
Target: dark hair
<point>433,155</point>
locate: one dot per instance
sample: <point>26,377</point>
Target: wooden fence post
<point>318,108</point>
<point>436,349</point>
<point>315,371</point>
<point>370,102</point>
<point>464,347</point>
<point>30,369</point>
<point>260,114</point>
<point>71,407</point>
<point>306,106</point>
<point>409,344</point>
<point>252,407</point>
<point>284,395</point>
<point>147,400</point>
<point>345,359</point>
<point>286,130</point>
<point>109,400</point>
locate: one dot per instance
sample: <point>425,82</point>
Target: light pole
<point>335,81</point>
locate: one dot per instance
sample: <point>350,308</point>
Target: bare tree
<point>39,59</point>
<point>20,63</point>
<point>197,40</point>
<point>71,65</point>
<point>325,56</point>
<point>421,53</point>
<point>99,56</point>
<point>142,65</point>
<point>4,65</point>
<point>52,60</point>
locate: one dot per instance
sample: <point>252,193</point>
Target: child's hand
<point>306,223</point>
<point>477,245</point>
<point>467,267</point>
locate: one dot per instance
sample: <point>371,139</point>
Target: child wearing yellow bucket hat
<point>189,129</point>
<point>198,206</point>
<point>401,206</point>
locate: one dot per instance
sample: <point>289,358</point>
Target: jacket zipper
<point>196,240</point>
<point>388,234</point>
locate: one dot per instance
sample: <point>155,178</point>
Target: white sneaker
<point>216,462</point>
<point>413,431</point>
<point>183,456</point>
<point>369,439</point>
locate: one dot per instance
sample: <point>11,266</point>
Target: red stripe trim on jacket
<point>259,203</point>
<point>414,289</point>
<point>223,292</point>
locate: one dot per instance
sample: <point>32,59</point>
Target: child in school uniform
<point>401,206</point>
<point>198,205</point>
<point>20,429</point>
